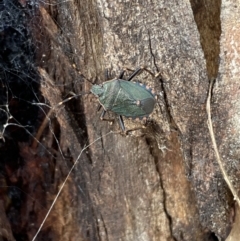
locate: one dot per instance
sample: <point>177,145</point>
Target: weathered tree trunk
<point>161,182</point>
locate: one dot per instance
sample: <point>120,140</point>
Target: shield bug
<point>125,98</point>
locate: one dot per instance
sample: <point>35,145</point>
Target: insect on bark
<point>125,98</point>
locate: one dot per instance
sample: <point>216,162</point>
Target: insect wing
<point>133,100</point>
<point>111,89</point>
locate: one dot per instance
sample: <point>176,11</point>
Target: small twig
<point>220,163</point>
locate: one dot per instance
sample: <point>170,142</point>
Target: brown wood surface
<point>161,182</point>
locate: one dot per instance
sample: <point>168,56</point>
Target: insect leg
<point>135,73</point>
<point>149,71</point>
<point>107,77</point>
<point>121,74</point>
<point>99,107</point>
<point>121,123</point>
<point>159,74</point>
<point>139,70</point>
<point>103,114</point>
<point>134,129</point>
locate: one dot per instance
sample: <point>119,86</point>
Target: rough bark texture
<point>226,99</point>
<point>161,182</point>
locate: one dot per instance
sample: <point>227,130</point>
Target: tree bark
<point>160,182</point>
